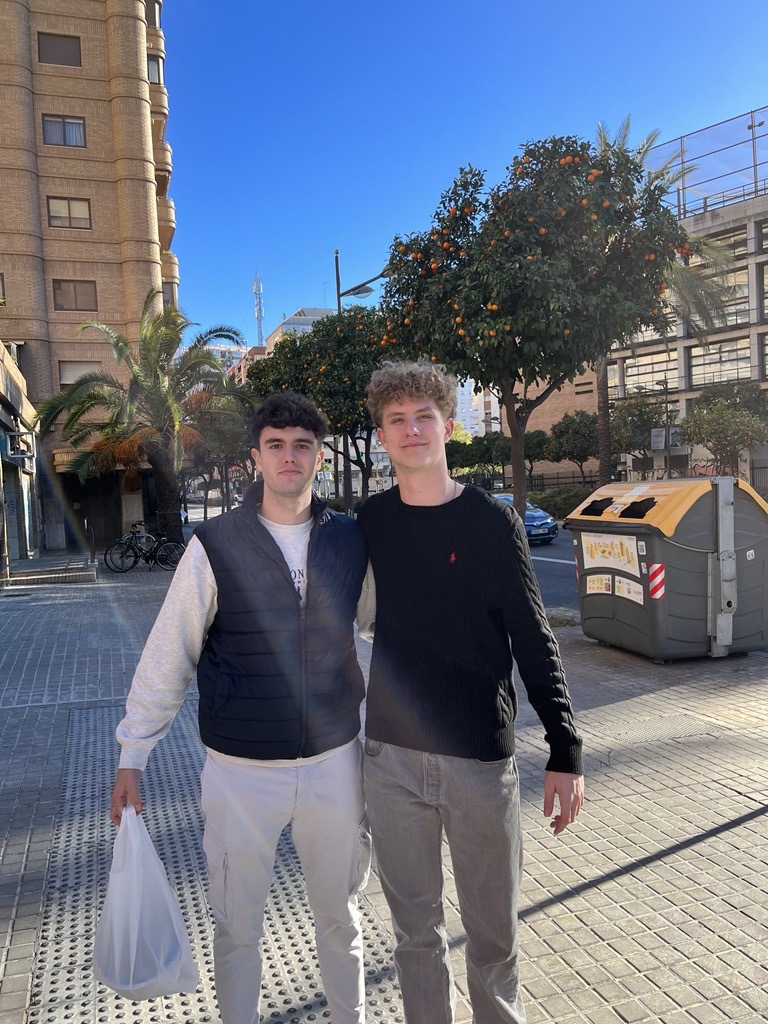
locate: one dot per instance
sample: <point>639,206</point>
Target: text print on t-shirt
<point>299,577</point>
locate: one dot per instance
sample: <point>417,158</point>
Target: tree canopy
<point>519,285</point>
<point>331,364</point>
<point>632,420</point>
<point>142,414</point>
<point>724,430</point>
<point>574,439</point>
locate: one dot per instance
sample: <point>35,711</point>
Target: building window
<point>74,295</point>
<point>68,213</point>
<point>155,70</point>
<point>719,362</point>
<point>762,284</point>
<point>642,372</point>
<point>2,290</point>
<point>737,304</point>
<point>63,131</point>
<point>169,294</point>
<point>153,13</point>
<point>70,370</point>
<point>53,49</point>
<point>735,242</point>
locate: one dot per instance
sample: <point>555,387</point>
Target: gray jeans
<point>412,797</point>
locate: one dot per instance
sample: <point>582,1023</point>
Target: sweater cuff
<point>566,759</point>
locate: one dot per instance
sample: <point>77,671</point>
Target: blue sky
<point>298,128</point>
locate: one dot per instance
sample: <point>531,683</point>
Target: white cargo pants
<point>246,808</point>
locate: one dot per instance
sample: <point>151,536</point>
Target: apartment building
<point>722,195</point>
<point>87,223</point>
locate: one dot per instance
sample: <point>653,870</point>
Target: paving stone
<point>653,907</point>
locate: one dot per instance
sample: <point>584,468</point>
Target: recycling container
<point>674,568</point>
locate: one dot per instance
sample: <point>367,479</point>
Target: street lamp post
<point>359,291</point>
<point>665,384</point>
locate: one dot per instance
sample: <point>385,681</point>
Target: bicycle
<point>138,546</point>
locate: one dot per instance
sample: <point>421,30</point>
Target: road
<point>556,571</point>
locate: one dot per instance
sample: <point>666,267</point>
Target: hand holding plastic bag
<point>142,948</point>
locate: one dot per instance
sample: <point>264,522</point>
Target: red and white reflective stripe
<point>656,580</point>
<point>576,562</point>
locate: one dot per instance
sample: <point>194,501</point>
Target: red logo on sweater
<point>452,559</point>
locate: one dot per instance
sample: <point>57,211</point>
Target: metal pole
<point>347,464</point>
<point>666,429</point>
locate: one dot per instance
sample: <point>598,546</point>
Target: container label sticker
<point>629,589</point>
<point>641,547</point>
<point>608,551</point>
<point>750,555</point>
<point>597,584</point>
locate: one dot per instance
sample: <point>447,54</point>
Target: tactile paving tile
<point>63,987</point>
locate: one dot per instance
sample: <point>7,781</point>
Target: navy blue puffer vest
<point>275,682</point>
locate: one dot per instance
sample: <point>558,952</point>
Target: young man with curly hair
<point>261,609</point>
<point>456,601</point>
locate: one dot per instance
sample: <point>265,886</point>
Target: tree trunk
<point>167,494</point>
<point>517,419</point>
<point>603,422</point>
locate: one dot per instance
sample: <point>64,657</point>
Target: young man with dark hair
<point>456,599</point>
<point>262,608</point>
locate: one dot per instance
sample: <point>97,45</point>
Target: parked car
<point>540,526</point>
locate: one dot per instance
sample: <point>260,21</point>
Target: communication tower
<point>258,308</point>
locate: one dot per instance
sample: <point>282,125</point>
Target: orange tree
<point>331,364</point>
<point>520,285</point>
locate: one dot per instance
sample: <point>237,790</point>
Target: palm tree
<point>693,297</point>
<point>141,417</point>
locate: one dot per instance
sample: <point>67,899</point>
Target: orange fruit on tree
<point>542,231</point>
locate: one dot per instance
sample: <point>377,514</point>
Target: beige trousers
<point>246,808</point>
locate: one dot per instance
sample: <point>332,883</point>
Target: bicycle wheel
<point>168,554</point>
<point>120,556</point>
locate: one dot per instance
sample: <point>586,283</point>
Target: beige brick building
<point>86,224</point>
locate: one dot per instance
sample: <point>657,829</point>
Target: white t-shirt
<point>293,541</point>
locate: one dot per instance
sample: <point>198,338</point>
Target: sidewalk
<point>654,908</point>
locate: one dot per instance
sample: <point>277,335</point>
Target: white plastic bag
<point>141,948</point>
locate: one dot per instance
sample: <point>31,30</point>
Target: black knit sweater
<point>456,596</point>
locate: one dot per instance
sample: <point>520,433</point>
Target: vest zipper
<point>303,644</point>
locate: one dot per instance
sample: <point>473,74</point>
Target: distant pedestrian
<point>456,599</point>
<point>262,609</point>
